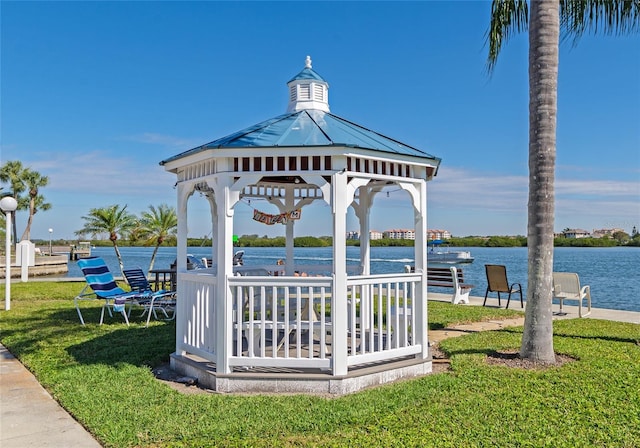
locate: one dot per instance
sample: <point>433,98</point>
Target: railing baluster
<point>311,320</point>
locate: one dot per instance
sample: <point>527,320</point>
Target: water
<point>612,273</point>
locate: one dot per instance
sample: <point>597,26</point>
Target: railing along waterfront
<point>285,321</point>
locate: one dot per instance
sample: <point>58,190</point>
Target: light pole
<point>8,206</point>
<point>50,248</point>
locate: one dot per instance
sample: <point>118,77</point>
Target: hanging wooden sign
<point>282,218</point>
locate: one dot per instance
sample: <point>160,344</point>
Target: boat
<point>439,254</point>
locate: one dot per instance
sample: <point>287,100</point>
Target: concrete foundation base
<point>311,382</point>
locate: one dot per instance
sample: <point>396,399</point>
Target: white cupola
<point>307,90</point>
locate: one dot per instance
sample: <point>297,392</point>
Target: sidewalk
<point>30,417</point>
<point>571,313</point>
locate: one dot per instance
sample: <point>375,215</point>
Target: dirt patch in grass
<point>183,384</point>
<point>511,358</point>
<point>440,363</point>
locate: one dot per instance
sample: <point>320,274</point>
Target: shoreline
<point>570,310</point>
<point>44,265</point>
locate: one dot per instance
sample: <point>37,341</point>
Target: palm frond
<point>508,17</point>
<point>608,17</point>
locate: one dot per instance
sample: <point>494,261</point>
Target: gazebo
<point>265,328</point>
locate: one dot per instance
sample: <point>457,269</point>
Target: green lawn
<point>102,375</point>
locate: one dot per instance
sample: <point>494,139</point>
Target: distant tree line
<point>327,241</point>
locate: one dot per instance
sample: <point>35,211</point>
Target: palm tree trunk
<point>26,235</point>
<point>544,31</point>
<point>153,257</point>
<point>120,262</point>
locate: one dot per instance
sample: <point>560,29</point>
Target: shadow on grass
<point>113,342</point>
<point>575,330</point>
<point>629,340</point>
<point>134,345</point>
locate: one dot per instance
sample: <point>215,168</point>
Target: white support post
<point>339,297</point>
<point>184,191</point>
<point>7,275</point>
<point>363,212</point>
<point>365,228</point>
<point>8,206</point>
<point>214,219</point>
<point>223,307</point>
<point>289,202</point>
<point>420,305</point>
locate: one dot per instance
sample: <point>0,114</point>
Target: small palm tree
<point>156,225</point>
<point>114,220</point>
<point>33,181</point>
<point>544,20</point>
<point>11,173</point>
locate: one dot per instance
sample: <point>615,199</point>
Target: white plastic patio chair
<point>566,286</point>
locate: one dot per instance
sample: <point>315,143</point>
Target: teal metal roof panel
<point>308,128</point>
<point>307,73</point>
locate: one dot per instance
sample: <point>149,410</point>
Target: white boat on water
<point>445,257</point>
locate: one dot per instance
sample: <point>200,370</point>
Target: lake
<point>611,272</point>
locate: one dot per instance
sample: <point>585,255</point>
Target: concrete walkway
<point>30,417</point>
<point>570,312</point>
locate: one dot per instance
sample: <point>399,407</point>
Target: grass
<point>102,375</point>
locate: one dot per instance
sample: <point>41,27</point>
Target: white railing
<point>381,317</point>
<point>196,313</point>
<point>283,321</point>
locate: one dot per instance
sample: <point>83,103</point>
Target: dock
<point>44,265</point>
<point>73,251</point>
<point>80,250</point>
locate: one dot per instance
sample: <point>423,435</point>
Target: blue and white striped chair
<point>162,300</point>
<point>102,286</point>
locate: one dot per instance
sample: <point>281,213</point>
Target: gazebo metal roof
<point>308,128</point>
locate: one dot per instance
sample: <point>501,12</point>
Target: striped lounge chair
<point>102,286</point>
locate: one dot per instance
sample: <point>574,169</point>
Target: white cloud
<point>97,172</point>
<point>474,204</point>
<point>164,140</point>
<point>600,188</point>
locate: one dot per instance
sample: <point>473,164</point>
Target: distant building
<point>400,234</point>
<point>375,235</point>
<point>599,233</point>
<point>436,234</point>
<point>576,233</point>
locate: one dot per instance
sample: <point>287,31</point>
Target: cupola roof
<point>308,123</point>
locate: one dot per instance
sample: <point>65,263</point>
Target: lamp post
<point>50,247</point>
<point>8,206</point>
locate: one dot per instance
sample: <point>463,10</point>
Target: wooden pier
<point>80,250</point>
<point>73,251</point>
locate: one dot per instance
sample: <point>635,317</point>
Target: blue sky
<point>95,94</point>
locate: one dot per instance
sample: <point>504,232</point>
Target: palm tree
<point>11,173</point>
<point>33,181</point>
<point>114,220</point>
<point>544,22</point>
<point>156,225</point>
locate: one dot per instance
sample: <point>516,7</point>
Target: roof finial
<point>307,62</point>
